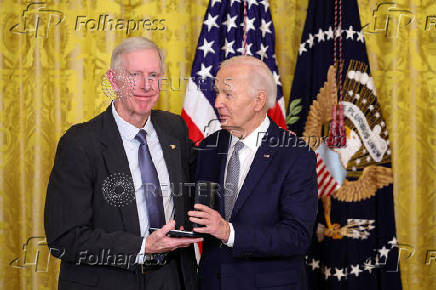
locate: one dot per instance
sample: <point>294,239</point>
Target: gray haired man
<point>99,207</point>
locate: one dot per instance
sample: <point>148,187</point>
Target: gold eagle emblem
<point>365,175</point>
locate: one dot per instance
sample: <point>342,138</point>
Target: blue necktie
<point>150,181</point>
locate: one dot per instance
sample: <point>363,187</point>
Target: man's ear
<point>112,77</point>
<point>260,100</point>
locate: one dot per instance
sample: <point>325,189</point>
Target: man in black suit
<point>266,195</point>
<point>116,176</point>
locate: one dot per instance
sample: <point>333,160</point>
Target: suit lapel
<point>224,140</point>
<point>116,162</point>
<point>172,155</point>
<point>262,160</point>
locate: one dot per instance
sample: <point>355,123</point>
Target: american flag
<point>230,28</point>
<point>326,183</point>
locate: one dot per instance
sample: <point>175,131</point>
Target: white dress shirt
<point>131,147</point>
<point>246,156</point>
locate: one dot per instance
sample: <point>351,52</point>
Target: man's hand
<point>158,242</point>
<point>214,224</point>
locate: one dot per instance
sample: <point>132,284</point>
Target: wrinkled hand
<point>159,242</point>
<point>214,224</point>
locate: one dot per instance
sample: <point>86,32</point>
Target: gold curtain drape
<point>53,56</point>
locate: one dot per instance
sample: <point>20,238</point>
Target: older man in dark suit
<point>266,202</point>
<point>112,180</point>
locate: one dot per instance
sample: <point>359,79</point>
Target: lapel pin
<point>173,146</point>
<point>266,155</point>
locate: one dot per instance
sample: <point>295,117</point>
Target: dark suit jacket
<point>80,223</point>
<point>273,216</point>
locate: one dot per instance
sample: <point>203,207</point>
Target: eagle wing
<point>320,111</point>
<point>373,178</point>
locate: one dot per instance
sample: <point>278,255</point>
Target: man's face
<point>144,67</point>
<point>236,107</point>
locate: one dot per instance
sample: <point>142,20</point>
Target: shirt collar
<point>127,130</point>
<point>254,140</point>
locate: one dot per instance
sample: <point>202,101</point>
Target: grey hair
<point>260,77</point>
<point>134,44</point>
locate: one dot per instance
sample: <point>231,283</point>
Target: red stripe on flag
<point>331,191</point>
<point>320,172</point>
<point>276,115</point>
<point>194,133</point>
<point>324,177</point>
<point>200,247</point>
<point>319,163</point>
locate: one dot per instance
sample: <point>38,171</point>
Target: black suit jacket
<point>87,232</point>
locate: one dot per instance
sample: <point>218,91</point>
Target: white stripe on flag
<point>281,102</point>
<point>200,110</point>
<point>197,253</point>
<point>330,186</point>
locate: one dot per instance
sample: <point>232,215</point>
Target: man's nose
<point>219,101</point>
<point>148,84</point>
<point>139,81</point>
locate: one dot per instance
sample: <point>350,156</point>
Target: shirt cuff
<point>141,255</point>
<point>231,239</point>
